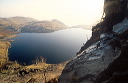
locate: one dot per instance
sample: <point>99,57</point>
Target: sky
<point>70,12</point>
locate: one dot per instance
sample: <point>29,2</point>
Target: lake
<point>55,47</point>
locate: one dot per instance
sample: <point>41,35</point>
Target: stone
<point>85,67</point>
<point>121,28</point>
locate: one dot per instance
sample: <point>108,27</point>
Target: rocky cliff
<point>104,58</point>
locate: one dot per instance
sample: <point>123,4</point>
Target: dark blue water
<point>55,47</point>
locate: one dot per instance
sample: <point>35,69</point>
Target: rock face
<point>104,58</point>
<point>121,28</point>
<point>85,67</point>
<point>117,71</point>
<point>115,11</point>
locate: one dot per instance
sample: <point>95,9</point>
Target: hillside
<point>43,26</point>
<point>25,24</point>
<point>87,27</point>
<point>104,58</point>
<point>14,23</point>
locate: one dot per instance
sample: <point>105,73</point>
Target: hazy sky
<point>70,12</point>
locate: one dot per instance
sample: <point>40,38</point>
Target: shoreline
<point>40,71</point>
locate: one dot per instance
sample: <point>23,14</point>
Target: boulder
<point>121,28</point>
<point>117,71</point>
<point>85,67</point>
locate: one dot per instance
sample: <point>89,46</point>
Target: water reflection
<point>55,47</point>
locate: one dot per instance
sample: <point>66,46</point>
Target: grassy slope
<point>12,72</point>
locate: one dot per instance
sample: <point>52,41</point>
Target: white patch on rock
<point>103,35</point>
<point>121,27</point>
<point>94,58</point>
<point>92,47</point>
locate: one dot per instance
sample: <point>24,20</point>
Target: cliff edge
<point>104,58</point>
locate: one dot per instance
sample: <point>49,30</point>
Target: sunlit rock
<point>121,27</point>
<point>103,35</point>
<point>85,67</point>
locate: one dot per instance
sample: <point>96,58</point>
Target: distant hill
<point>87,27</point>
<point>25,24</point>
<point>43,26</point>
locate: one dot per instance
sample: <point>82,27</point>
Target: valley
<point>40,70</point>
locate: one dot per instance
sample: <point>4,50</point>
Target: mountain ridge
<point>24,24</point>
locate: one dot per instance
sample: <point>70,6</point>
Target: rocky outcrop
<point>114,12</point>
<point>121,29</point>
<point>85,67</point>
<point>117,71</point>
<point>103,59</point>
